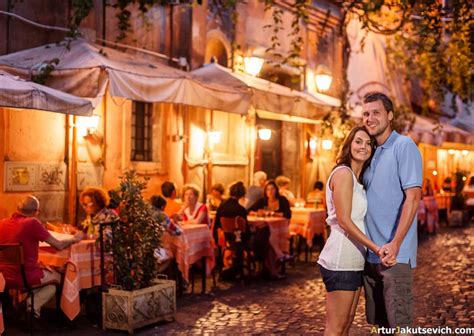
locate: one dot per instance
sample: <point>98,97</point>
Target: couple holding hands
<point>372,198</point>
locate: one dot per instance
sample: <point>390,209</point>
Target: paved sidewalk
<point>443,291</point>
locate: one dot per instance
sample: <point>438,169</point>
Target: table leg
<point>204,266</point>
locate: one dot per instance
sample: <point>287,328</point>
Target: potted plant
<point>138,297</point>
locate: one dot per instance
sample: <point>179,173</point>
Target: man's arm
<point>62,244</point>
<point>409,208</point>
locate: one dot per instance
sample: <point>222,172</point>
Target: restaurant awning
<point>429,131</point>
<point>18,93</point>
<point>272,98</point>
<point>84,69</point>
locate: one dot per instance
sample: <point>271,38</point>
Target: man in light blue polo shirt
<point>393,185</point>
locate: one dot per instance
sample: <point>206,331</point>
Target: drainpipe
<point>171,33</point>
<point>7,31</point>
<point>104,17</point>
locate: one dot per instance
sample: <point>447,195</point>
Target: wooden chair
<point>12,254</point>
<point>233,229</point>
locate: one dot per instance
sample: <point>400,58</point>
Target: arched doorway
<point>218,47</point>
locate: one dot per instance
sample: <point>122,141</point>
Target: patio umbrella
<point>84,69</point>
<point>18,93</point>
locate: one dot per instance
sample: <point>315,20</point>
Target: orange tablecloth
<point>194,243</point>
<point>444,200</point>
<point>308,222</point>
<point>2,287</point>
<point>82,262</point>
<point>279,231</point>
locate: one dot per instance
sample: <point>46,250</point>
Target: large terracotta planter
<point>128,310</point>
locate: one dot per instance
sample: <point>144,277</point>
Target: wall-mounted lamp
<point>327,144</point>
<point>87,126</point>
<point>312,145</point>
<point>435,172</point>
<point>465,152</point>
<point>451,151</point>
<point>214,137</point>
<point>264,134</point>
<point>323,78</point>
<point>253,65</point>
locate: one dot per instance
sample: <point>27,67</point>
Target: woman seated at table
<point>276,205</point>
<point>271,203</point>
<point>192,212</point>
<point>216,197</point>
<point>94,201</point>
<point>230,208</point>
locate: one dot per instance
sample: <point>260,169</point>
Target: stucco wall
<point>28,136</point>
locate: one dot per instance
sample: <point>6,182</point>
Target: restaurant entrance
<point>268,152</point>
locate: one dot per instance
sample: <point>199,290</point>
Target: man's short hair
<point>167,189</point>
<point>28,205</point>
<point>374,96</point>
<point>318,185</point>
<point>259,176</point>
<point>158,202</point>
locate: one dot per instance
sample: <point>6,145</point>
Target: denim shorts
<point>341,280</point>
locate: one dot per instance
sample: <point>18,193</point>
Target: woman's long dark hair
<point>273,183</point>
<point>345,157</point>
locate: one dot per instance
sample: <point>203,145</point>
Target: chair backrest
<point>11,254</point>
<point>231,224</point>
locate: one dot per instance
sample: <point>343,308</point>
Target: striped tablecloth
<point>308,222</point>
<point>82,263</point>
<point>279,231</point>
<point>192,245</point>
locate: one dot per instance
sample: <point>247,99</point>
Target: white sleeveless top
<point>341,253</point>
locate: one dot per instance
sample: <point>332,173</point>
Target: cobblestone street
<point>443,290</point>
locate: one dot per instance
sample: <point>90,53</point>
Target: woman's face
<point>361,147</point>
<point>189,197</point>
<point>270,191</point>
<point>216,194</point>
<point>90,207</point>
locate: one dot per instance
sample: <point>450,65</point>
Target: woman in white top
<point>342,259</point>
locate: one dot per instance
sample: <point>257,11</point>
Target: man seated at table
<point>23,227</point>
<point>317,196</point>
<point>255,191</point>
<point>168,191</point>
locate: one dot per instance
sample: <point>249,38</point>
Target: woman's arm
<point>284,207</point>
<point>260,204</point>
<point>342,185</point>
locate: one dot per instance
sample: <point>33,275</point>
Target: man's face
<point>376,118</point>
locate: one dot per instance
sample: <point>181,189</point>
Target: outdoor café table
<point>308,222</point>
<point>82,263</point>
<point>444,200</point>
<point>279,231</point>
<point>193,244</point>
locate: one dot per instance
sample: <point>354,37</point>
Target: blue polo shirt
<point>396,166</point>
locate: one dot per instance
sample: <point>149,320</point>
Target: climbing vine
<point>430,42</point>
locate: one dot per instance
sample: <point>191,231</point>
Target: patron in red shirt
<point>23,227</point>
